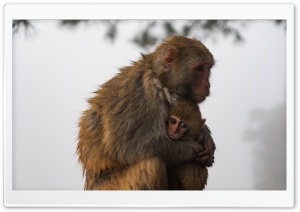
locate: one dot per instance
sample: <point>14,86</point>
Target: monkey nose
<point>207,87</point>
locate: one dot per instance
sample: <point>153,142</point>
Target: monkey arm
<point>174,153</point>
<point>206,157</point>
<point>128,152</point>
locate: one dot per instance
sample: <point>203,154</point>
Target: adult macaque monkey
<point>185,122</point>
<point>122,138</point>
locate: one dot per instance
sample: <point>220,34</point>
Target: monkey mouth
<point>200,98</point>
<point>206,93</point>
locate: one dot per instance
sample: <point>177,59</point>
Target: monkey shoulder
<point>134,101</point>
<point>134,89</point>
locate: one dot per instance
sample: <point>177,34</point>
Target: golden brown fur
<point>122,139</point>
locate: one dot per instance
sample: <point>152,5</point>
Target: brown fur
<point>189,112</point>
<point>188,176</point>
<point>122,139</point>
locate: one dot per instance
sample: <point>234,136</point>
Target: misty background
<point>57,65</point>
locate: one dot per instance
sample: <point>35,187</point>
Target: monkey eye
<point>183,125</point>
<point>200,68</point>
<point>172,121</point>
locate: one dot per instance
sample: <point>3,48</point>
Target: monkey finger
<point>209,163</point>
<point>208,147</point>
<point>203,160</point>
<point>204,153</point>
<point>205,157</point>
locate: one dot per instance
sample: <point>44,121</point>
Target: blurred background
<point>58,64</point>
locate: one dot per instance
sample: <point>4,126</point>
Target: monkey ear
<point>170,57</point>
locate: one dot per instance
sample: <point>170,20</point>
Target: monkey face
<point>176,127</point>
<point>188,63</point>
<point>201,85</point>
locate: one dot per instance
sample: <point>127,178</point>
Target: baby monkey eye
<point>183,125</point>
<point>172,121</point>
<point>200,68</point>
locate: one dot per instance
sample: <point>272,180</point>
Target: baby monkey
<point>185,123</point>
<point>184,129</point>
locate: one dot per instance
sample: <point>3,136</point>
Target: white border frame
<point>62,198</point>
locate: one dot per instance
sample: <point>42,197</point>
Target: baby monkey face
<point>176,127</point>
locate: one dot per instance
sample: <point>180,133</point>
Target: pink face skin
<point>176,127</point>
<point>201,85</point>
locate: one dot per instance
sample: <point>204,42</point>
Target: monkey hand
<point>179,152</point>
<point>206,157</point>
<point>194,149</point>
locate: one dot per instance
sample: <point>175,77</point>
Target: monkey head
<point>179,129</point>
<point>176,127</point>
<point>187,65</point>
<point>184,121</point>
